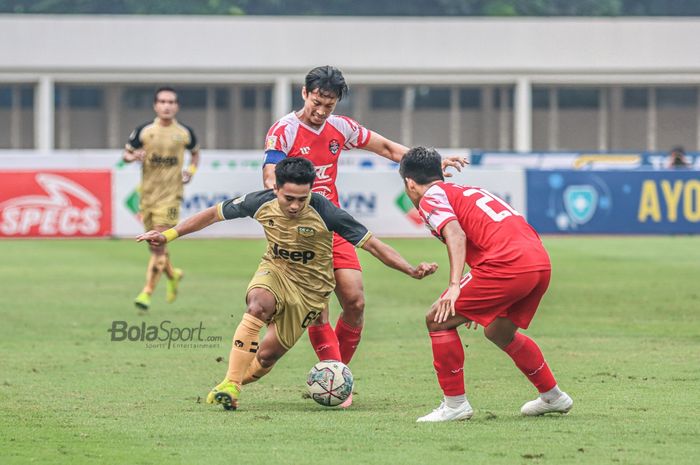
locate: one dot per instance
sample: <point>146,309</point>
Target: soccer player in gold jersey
<point>295,278</point>
<point>160,146</point>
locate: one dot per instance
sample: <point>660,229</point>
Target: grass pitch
<point>619,327</point>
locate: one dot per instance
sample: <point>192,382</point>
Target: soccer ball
<point>329,383</point>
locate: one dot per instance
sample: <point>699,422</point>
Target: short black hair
<point>422,165</point>
<point>296,170</point>
<point>163,89</point>
<point>328,80</point>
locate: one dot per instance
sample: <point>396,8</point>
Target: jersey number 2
<point>486,198</point>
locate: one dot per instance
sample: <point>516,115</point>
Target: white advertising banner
<point>375,198</point>
<point>206,189</point>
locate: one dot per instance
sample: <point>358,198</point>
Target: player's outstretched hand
<point>136,155</point>
<point>454,162</point>
<point>152,237</point>
<point>445,306</point>
<point>186,176</point>
<point>423,270</point>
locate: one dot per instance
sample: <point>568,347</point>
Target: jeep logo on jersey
<point>303,256</point>
<point>159,160</point>
<point>334,147</point>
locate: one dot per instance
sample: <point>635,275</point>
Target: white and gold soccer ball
<point>329,382</point>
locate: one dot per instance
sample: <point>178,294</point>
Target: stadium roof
<point>366,46</point>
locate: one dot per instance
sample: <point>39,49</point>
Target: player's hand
<point>471,324</point>
<point>152,237</point>
<point>423,270</point>
<point>444,308</point>
<point>136,155</point>
<point>186,176</point>
<point>454,162</point>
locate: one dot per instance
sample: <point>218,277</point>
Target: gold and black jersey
<point>162,166</point>
<point>301,247</point>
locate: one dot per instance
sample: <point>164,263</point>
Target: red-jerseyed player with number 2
<point>510,272</point>
<point>315,133</point>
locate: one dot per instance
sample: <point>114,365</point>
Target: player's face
<point>292,198</point>
<point>412,191</point>
<point>317,106</point>
<point>166,105</point>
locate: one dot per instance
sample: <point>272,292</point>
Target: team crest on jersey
<point>305,231</point>
<point>334,147</point>
<point>270,143</point>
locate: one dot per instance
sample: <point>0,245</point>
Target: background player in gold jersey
<point>160,146</point>
<point>295,277</point>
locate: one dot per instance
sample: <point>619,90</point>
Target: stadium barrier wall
<point>75,194</point>
<point>614,202</point>
<point>52,203</point>
<point>375,198</point>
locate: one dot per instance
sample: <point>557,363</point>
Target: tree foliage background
<point>360,7</point>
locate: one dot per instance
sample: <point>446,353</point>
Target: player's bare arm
<point>395,152</point>
<point>191,169</point>
<point>456,243</point>
<point>269,175</point>
<point>192,224</point>
<point>393,259</point>
<point>385,148</point>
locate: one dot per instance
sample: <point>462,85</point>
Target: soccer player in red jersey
<point>509,274</point>
<point>318,135</point>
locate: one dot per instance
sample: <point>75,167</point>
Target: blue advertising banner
<point>580,160</point>
<point>627,202</point>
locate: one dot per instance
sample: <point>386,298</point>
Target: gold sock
<point>255,371</point>
<point>245,345</point>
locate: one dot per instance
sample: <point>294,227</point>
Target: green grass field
<point>619,327</point>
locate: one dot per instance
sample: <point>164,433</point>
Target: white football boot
<point>539,406</point>
<point>445,413</point>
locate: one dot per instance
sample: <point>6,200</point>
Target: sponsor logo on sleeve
<point>271,143</point>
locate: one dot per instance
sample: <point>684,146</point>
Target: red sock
<point>448,360</point>
<point>348,339</point>
<point>324,342</point>
<point>528,357</point>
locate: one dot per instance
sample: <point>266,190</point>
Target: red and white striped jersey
<point>499,240</point>
<point>320,146</point>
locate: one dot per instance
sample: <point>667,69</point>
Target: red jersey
<point>320,146</point>
<point>499,240</point>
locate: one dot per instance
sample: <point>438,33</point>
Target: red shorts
<point>344,254</point>
<point>485,296</point>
